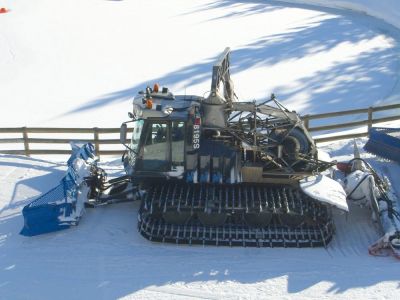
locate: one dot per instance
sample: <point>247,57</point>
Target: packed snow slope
<point>106,258</point>
<point>78,63</point>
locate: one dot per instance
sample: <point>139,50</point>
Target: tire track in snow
<point>354,232</point>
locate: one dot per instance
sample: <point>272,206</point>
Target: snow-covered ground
<point>78,63</point>
<point>385,10</point>
<point>106,258</point>
<point>70,63</point>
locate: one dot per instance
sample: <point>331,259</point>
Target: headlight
<point>168,110</point>
<point>137,111</point>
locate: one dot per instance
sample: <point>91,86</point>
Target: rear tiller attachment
<point>364,187</point>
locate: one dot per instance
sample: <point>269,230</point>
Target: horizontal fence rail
<point>369,120</point>
<point>96,139</point>
<point>27,141</point>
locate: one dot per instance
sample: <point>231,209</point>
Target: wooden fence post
<point>306,121</point>
<point>26,141</point>
<point>96,141</point>
<point>370,110</point>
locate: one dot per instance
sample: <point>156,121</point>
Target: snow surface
<point>70,63</point>
<point>385,10</point>
<point>79,63</point>
<point>106,258</point>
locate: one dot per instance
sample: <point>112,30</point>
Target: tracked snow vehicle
<point>216,171</point>
<point>207,170</point>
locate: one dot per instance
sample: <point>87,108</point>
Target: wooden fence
<point>369,120</point>
<point>96,132</point>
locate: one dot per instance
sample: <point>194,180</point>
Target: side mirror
<point>122,133</point>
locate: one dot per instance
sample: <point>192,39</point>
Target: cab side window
<point>177,143</point>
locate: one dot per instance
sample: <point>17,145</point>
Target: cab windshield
<point>134,145</point>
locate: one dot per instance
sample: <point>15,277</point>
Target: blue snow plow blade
<point>62,206</point>
<point>384,142</point>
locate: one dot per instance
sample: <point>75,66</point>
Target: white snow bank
<point>388,10</point>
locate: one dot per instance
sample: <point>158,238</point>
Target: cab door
<point>163,146</point>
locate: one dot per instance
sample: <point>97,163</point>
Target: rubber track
<point>157,230</point>
<point>226,198</point>
<point>233,200</point>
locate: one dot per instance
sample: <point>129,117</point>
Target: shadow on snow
<point>40,184</point>
<point>343,85</point>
